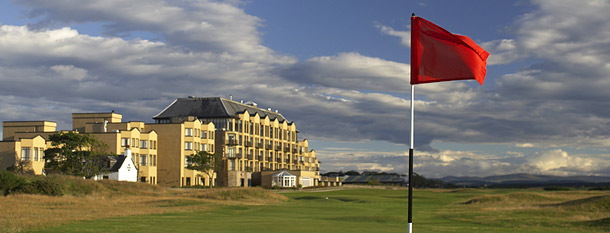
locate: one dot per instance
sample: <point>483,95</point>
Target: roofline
<point>165,108</point>
<point>95,113</point>
<point>31,121</point>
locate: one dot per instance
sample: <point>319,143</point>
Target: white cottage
<point>124,169</point>
<point>283,180</point>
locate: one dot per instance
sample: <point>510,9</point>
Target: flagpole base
<point>410,227</point>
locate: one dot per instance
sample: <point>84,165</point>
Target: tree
<point>205,162</point>
<point>75,154</point>
<point>22,167</point>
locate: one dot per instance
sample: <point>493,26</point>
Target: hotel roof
<point>212,107</point>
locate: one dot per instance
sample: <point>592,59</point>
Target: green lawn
<point>372,210</point>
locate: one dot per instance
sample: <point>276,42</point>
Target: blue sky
<point>339,69</point>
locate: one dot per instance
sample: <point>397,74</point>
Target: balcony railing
<point>294,151</point>
<point>259,145</point>
<point>238,155</point>
<point>231,142</point>
<point>250,157</point>
<point>260,157</point>
<point>249,144</point>
<point>268,147</point>
<point>279,160</point>
<point>286,149</point>
<point>231,156</point>
<point>278,148</point>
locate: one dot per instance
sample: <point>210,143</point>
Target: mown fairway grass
<point>383,210</point>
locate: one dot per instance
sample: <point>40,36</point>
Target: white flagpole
<point>410,217</point>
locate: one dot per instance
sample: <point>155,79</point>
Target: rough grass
<point>560,211</point>
<point>511,198</point>
<point>88,200</point>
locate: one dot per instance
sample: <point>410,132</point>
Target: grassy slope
<point>381,210</point>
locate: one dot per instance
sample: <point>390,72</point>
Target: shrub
<point>10,181</point>
<point>40,186</point>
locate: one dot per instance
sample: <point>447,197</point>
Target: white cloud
<point>405,36</point>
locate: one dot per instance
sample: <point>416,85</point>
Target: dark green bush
<point>40,186</point>
<point>556,188</point>
<point>10,181</point>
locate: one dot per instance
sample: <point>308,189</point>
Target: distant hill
<point>527,180</point>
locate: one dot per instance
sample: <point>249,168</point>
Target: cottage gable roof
<point>212,107</point>
<point>119,163</point>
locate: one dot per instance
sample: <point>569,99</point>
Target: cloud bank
<point>49,69</point>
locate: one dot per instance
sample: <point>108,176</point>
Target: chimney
<point>127,153</point>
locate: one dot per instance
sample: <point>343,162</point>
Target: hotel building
<point>251,140</point>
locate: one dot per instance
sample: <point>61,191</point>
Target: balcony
<point>268,147</point>
<point>269,159</point>
<point>249,144</point>
<point>287,160</point>
<point>238,155</point>
<point>230,156</point>
<point>286,149</point>
<point>278,148</point>
<point>279,160</point>
<point>294,151</point>
<point>231,142</point>
<point>250,157</point>
<point>260,157</point>
<point>259,145</point>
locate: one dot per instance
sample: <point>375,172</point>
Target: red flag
<point>437,55</point>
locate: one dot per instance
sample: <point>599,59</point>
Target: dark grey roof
<point>212,107</point>
<point>379,178</point>
<point>119,162</point>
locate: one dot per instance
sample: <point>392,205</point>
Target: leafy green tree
<point>205,162</point>
<point>22,167</point>
<point>75,154</point>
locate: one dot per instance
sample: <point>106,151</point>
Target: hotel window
<point>204,134</point>
<point>135,142</point>
<point>143,160</point>
<point>124,141</point>
<point>35,152</point>
<point>144,144</point>
<point>25,154</point>
<point>188,145</point>
<point>188,132</point>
